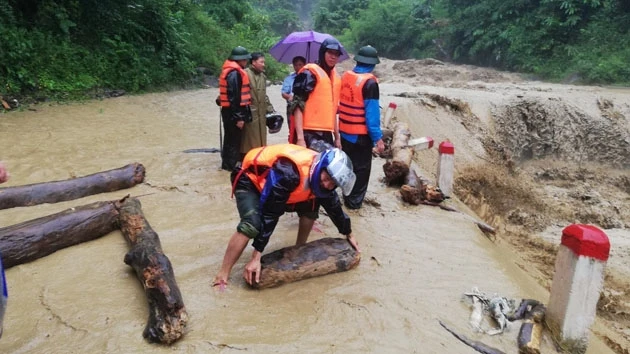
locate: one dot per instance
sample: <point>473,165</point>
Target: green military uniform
<point>255,133</point>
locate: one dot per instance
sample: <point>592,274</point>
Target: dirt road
<point>417,260</point>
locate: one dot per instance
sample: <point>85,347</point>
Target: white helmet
<point>338,166</point>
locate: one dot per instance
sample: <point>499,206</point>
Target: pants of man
<point>248,205</point>
<point>360,153</point>
<point>231,149</point>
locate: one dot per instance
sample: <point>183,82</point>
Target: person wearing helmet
<point>315,99</point>
<point>278,178</point>
<point>255,132</point>
<point>360,121</point>
<point>235,99</point>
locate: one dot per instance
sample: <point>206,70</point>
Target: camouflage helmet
<point>240,53</point>
<point>367,55</point>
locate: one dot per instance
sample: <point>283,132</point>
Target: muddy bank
<point>532,158</point>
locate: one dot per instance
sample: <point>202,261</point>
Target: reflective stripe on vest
<point>351,103</point>
<point>321,106</point>
<point>257,163</point>
<point>246,97</point>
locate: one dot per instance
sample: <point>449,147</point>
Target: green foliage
<point>333,16</point>
<point>398,29</point>
<point>70,48</point>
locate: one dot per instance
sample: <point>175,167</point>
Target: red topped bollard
<point>446,167</point>
<point>577,283</point>
<point>389,113</point>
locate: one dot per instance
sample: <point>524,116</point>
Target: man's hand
<point>4,175</point>
<point>301,142</point>
<point>240,124</point>
<point>337,140</point>
<point>252,269</point>
<point>353,242</point>
<point>380,146</point>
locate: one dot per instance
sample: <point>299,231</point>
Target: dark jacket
<point>282,179</point>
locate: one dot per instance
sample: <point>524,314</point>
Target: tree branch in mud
<point>397,169</point>
<point>167,313</point>
<point>418,190</point>
<point>319,257</point>
<point>59,191</point>
<point>34,239</point>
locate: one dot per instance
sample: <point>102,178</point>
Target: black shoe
<point>351,206</point>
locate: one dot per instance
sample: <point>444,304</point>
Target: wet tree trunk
<point>59,191</point>
<point>397,169</point>
<point>167,313</point>
<point>409,191</point>
<point>33,239</point>
<point>320,257</point>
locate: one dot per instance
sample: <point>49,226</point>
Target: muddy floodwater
<point>417,261</point>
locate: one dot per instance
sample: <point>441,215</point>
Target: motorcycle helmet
<point>274,122</point>
<point>338,166</point>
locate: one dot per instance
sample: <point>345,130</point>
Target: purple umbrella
<point>304,44</point>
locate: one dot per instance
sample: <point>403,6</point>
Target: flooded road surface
<point>416,261</point>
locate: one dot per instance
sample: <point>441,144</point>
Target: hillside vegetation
<point>70,49</point>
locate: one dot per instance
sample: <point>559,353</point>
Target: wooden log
<point>530,334</point>
<point>397,169</point>
<point>409,191</point>
<point>33,239</point>
<point>167,313</point>
<point>58,191</point>
<point>320,257</point>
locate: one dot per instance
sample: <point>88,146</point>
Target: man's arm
<point>303,85</point>
<point>287,87</point>
<point>4,175</point>
<point>332,205</point>
<point>234,83</point>
<point>373,113</point>
<point>270,108</point>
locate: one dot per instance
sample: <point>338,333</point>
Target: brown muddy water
<point>416,261</point>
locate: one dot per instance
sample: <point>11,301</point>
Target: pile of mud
<point>534,129</point>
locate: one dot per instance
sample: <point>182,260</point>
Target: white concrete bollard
<point>446,167</point>
<point>389,113</point>
<point>577,282</point>
<point>423,143</point>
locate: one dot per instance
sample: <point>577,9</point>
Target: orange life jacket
<point>258,162</point>
<point>321,107</point>
<point>351,103</point>
<point>246,96</point>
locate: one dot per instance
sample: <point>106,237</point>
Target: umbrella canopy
<point>304,44</point>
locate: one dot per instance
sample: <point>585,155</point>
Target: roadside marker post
<point>577,283</point>
<point>389,113</point>
<point>446,167</point>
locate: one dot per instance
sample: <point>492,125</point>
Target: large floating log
<point>397,169</point>
<point>33,239</point>
<point>320,257</point>
<point>59,191</point>
<point>167,313</point>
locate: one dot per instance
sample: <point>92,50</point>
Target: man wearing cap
<point>315,99</point>
<point>359,121</point>
<point>235,99</point>
<point>278,178</point>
